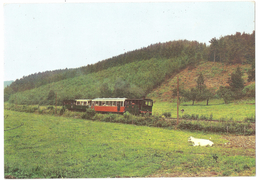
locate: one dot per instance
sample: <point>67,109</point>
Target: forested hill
<point>238,48</point>
<point>161,50</point>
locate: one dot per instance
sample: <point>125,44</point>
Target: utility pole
<point>177,101</point>
<point>56,104</point>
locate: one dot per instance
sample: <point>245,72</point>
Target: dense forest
<point>138,71</point>
<point>233,49</point>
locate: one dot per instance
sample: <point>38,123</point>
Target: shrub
<point>119,119</point>
<point>186,116</point>
<point>195,116</point>
<point>127,115</point>
<point>98,116</point>
<point>203,117</point>
<point>250,119</point>
<point>61,111</point>
<point>211,116</point>
<point>167,114</point>
<point>89,114</point>
<point>154,120</point>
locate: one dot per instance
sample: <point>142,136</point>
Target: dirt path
<point>247,142</point>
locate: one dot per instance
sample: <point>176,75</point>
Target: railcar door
<point>118,106</point>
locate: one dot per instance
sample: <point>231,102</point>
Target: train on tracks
<point>111,105</point>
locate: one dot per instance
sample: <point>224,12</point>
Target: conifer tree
<point>251,72</point>
<point>200,83</point>
<point>236,82</point>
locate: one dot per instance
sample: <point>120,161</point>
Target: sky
<point>49,36</point>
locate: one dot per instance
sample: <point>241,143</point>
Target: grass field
<point>44,146</point>
<point>236,111</point>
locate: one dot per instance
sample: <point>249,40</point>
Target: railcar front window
<point>148,103</point>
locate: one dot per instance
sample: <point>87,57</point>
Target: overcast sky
<point>41,37</point>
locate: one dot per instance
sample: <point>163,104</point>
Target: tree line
<point>233,49</point>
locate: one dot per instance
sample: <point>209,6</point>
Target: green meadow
<point>48,146</point>
<point>236,111</point>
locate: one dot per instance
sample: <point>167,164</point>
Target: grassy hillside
<point>215,75</point>
<point>43,146</point>
<point>157,76</point>
<point>142,76</point>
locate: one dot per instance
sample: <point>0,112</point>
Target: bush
<point>89,114</point>
<point>234,128</point>
<point>50,107</point>
<point>250,119</point>
<point>167,114</point>
<point>186,116</point>
<point>202,117</point>
<point>127,115</point>
<point>211,117</point>
<point>105,118</point>
<point>98,116</point>
<point>195,116</point>
<point>61,111</point>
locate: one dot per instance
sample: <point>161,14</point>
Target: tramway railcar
<point>112,105</point>
<point>77,104</point>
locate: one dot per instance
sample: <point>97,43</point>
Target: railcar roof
<point>109,99</point>
<point>138,99</point>
<point>83,99</point>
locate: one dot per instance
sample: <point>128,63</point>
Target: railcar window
<point>119,103</point>
<point>148,103</point>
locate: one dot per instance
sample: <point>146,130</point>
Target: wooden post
<point>15,102</point>
<point>56,104</point>
<point>177,101</point>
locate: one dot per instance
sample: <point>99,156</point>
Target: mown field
<point>44,146</point>
<point>235,111</point>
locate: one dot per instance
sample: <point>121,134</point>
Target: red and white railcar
<point>113,105</point>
